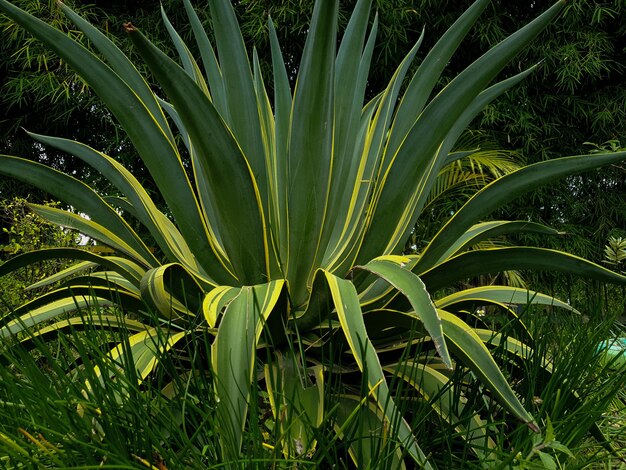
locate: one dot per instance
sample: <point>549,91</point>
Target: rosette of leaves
<point>285,223</point>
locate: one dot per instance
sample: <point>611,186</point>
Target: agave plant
<point>285,223</point>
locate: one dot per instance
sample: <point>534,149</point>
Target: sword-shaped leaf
<point>129,269</point>
<point>230,181</point>
<point>503,295</point>
<point>503,190</point>
<point>50,311</point>
<point>310,150</point>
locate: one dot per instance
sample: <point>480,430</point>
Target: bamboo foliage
<point>287,232</point>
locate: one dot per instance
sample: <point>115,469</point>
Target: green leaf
<point>187,59</point>
<point>228,176</point>
<point>239,88</point>
<point>234,356</point>
<point>346,303</point>
<point>144,349</point>
<point>122,65</point>
<point>277,166</point>
<point>143,208</point>
<point>172,291</point>
<point>503,190</point>
<point>352,69</point>
<point>430,174</point>
<point>152,141</point>
<point>310,150</point>
<point>49,312</point>
<point>547,460</point>
<point>211,67</point>
<point>405,169</point>
<point>92,229</point>
<point>215,301</point>
<point>109,322</point>
<point>421,85</point>
<point>503,295</point>
<point>109,279</point>
<point>491,229</point>
<point>471,350</point>
<point>366,174</point>
<point>129,269</point>
<point>414,290</point>
<point>77,289</point>
<point>80,196</point>
<point>495,260</point>
<point>61,275</point>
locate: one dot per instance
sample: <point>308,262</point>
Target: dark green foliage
<point>23,231</point>
<point>48,421</point>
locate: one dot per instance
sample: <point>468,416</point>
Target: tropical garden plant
<point>286,218</point>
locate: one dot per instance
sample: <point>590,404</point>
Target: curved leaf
<point>475,263</point>
<point>150,139</point>
<point>143,207</point>
<point>129,269</point>
<point>49,312</point>
<point>77,323</point>
<point>121,297</point>
<point>61,275</point>
<point>78,195</point>
<point>494,228</point>
<point>215,301</point>
<point>503,295</point>
<point>144,349</point>
<point>91,229</point>
<point>503,190</point>
<point>172,291</point>
<point>422,83</point>
<point>414,290</point>
<point>476,356</point>
<point>121,64</point>
<point>209,61</point>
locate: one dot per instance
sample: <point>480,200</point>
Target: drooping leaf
<point>414,290</point>
<point>470,348</point>
<point>495,260</point>
<point>504,295</point>
<point>503,190</point>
